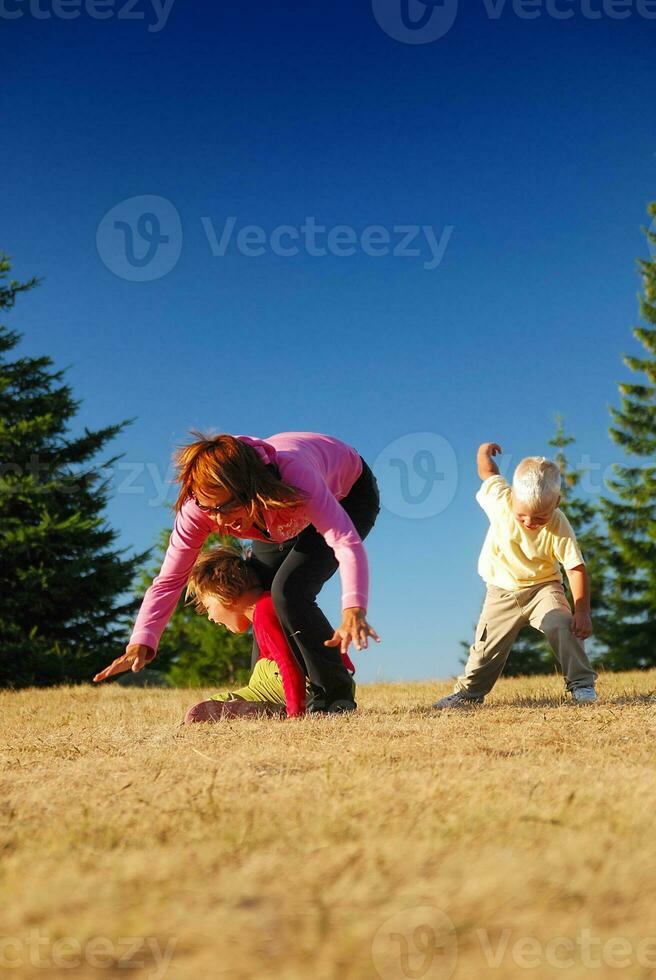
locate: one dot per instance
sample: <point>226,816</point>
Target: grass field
<point>513,840</point>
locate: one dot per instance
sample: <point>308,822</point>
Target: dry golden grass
<point>384,844</point>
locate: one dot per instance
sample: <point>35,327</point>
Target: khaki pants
<point>504,614</point>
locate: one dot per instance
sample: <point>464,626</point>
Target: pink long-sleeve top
<point>325,469</point>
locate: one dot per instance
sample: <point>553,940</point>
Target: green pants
<point>264,684</point>
<point>544,607</point>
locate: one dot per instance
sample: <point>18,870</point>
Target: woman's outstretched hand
<point>354,629</point>
<point>135,657</point>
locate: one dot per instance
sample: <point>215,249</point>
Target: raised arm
<point>484,462</point>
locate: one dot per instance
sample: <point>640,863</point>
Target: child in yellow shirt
<point>528,539</point>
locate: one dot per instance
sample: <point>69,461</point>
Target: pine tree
<point>62,584</point>
<point>631,512</point>
<point>587,520</point>
<point>193,652</point>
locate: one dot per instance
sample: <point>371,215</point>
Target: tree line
<point>68,594</point>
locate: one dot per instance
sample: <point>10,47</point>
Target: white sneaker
<point>584,695</point>
<point>457,700</point>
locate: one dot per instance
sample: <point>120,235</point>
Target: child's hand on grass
<point>581,624</point>
<point>135,657</point>
<point>354,629</point>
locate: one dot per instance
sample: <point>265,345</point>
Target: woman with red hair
<point>306,501</point>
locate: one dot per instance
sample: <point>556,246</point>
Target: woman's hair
<point>536,482</point>
<point>223,572</point>
<point>215,463</point>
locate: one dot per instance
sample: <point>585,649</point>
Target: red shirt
<point>274,646</point>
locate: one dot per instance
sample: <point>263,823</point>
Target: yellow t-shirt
<point>514,557</point>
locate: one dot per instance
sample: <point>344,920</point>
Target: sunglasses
<point>223,508</point>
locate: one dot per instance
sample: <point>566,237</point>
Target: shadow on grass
<point>423,711</point>
<point>558,701</point>
<point>622,700</point>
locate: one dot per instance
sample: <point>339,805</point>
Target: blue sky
<point>533,141</point>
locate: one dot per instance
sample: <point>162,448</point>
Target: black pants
<point>295,572</point>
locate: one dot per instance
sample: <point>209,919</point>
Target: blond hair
<point>536,482</point>
<point>223,572</point>
<point>223,462</point>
